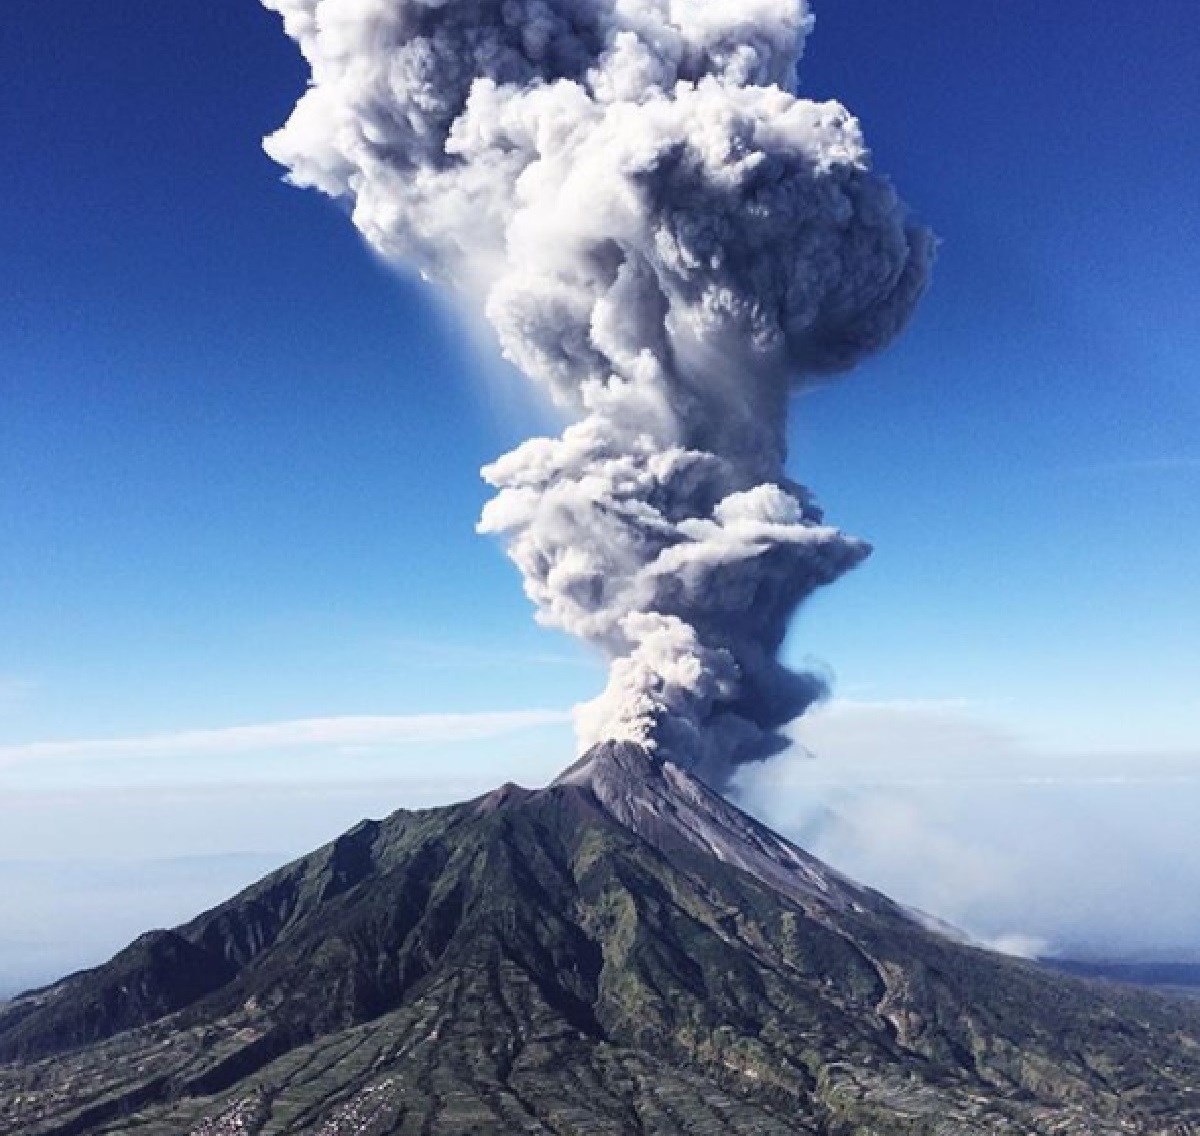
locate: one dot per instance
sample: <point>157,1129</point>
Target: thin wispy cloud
<point>303,733</point>
<point>431,654</point>
<point>15,691</point>
<point>1115,781</point>
<point>920,743</point>
<point>941,806</point>
<point>1180,463</point>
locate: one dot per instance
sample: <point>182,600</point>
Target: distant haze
<point>1090,855</point>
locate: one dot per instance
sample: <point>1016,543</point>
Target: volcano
<point>622,952</point>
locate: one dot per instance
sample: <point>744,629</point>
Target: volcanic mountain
<point>623,952</point>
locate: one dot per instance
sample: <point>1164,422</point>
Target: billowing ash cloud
<point>669,242</point>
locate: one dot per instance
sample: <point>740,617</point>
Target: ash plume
<point>669,242</point>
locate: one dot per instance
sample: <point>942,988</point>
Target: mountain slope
<point>622,952</point>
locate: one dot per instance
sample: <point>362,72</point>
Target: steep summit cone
<point>673,811</point>
<point>621,952</point>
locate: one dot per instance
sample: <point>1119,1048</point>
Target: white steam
<point>669,242</point>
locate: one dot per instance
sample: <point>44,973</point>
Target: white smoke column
<point>670,242</point>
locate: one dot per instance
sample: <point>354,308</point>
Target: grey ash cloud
<point>669,242</point>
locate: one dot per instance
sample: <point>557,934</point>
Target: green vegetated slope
<point>526,964</point>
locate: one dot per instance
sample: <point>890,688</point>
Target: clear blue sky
<point>238,460</point>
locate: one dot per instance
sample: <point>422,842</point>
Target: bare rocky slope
<point>622,952</point>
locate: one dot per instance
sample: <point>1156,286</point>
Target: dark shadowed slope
<point>623,952</point>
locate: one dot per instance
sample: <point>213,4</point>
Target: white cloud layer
<point>303,733</point>
<point>1028,851</point>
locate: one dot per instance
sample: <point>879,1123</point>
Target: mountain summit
<point>621,952</point>
<point>676,813</point>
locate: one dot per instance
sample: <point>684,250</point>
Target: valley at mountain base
<point>622,952</point>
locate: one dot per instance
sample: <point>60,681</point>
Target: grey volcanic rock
<point>672,810</point>
<point>622,952</point>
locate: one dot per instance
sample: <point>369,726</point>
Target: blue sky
<point>238,459</point>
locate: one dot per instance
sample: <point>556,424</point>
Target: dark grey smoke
<point>670,243</point>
